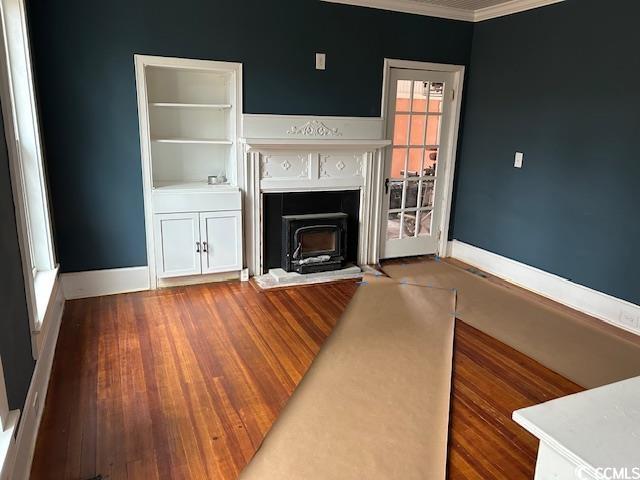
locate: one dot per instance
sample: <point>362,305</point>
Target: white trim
<point>451,141</point>
<point>607,308</point>
<point>141,63</point>
<point>33,408</point>
<point>366,154</point>
<point>145,154</point>
<point>8,444</point>
<point>19,198</point>
<point>44,282</point>
<point>96,283</point>
<point>53,311</point>
<point>430,10</point>
<point>39,273</point>
<point>4,403</point>
<point>23,103</point>
<point>260,144</point>
<point>267,126</point>
<point>198,279</point>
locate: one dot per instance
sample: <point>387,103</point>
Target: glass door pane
<point>416,141</point>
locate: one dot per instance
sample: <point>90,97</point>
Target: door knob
<point>386,186</point>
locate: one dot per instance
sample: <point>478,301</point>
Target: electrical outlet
<point>630,319</point>
<point>321,61</point>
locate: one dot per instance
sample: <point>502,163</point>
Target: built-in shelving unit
<point>189,128</point>
<point>193,115</point>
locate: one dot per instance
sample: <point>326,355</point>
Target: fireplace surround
<point>298,155</point>
<point>283,210</point>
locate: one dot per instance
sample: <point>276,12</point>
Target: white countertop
<point>201,186</point>
<point>597,428</point>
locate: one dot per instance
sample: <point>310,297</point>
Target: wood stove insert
<point>314,243</point>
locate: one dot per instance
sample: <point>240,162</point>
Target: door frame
<point>451,141</point>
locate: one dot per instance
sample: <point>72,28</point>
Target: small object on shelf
<point>216,179</point>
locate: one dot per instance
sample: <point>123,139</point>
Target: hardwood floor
<point>184,383</point>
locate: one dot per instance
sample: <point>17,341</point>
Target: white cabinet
<point>221,234</point>
<point>198,243</point>
<point>190,120</point>
<point>177,244</point>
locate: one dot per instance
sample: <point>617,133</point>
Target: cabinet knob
<point>204,247</point>
<point>197,247</point>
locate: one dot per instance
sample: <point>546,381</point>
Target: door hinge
<point>439,234</point>
<point>453,94</point>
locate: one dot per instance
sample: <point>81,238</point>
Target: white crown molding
<point>418,8</point>
<point>509,8</point>
<point>617,312</point>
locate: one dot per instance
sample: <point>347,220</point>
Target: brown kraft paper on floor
<point>375,402</point>
<point>590,355</point>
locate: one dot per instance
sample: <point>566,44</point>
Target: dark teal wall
<point>83,55</point>
<point>561,84</point>
<point>15,338</point>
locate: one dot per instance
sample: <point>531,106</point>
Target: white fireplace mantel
<point>296,153</point>
<point>263,144</point>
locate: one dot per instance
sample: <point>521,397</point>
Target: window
<point>25,154</point>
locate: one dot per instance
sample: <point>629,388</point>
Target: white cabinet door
<point>178,246</point>
<point>221,241</point>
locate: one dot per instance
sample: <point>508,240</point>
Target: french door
<point>419,106</point>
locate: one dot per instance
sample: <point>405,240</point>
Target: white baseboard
<point>198,279</point>
<point>105,282</point>
<point>618,312</point>
<point>32,412</point>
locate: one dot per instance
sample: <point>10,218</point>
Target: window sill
<point>43,284</point>
<point>7,442</point>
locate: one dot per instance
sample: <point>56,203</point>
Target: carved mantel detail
<point>272,166</point>
<point>314,128</point>
<point>340,166</point>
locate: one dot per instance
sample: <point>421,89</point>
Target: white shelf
<point>191,186</point>
<point>210,141</point>
<point>215,106</point>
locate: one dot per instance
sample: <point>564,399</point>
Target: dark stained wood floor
<point>184,383</point>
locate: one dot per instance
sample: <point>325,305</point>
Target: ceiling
<point>464,4</point>
<point>469,10</point>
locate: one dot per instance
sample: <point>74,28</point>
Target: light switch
<point>321,61</point>
<point>518,161</point>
